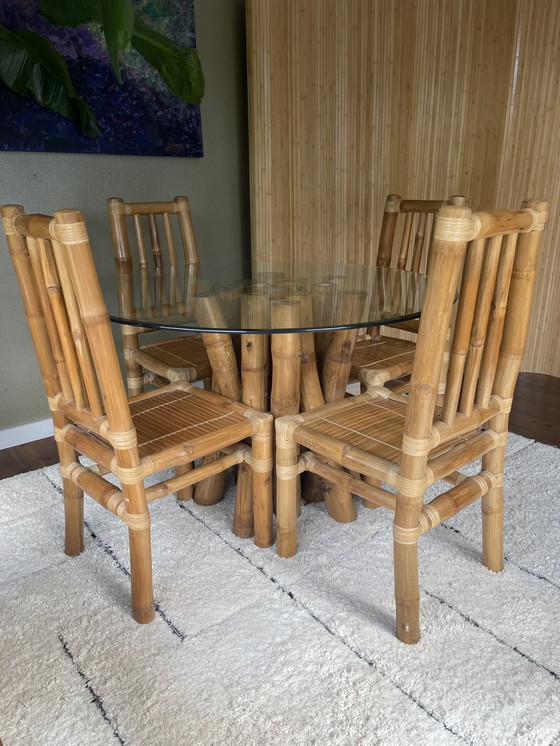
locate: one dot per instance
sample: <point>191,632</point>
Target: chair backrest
<point>67,317</point>
<point>158,246</point>
<point>407,231</point>
<point>493,254</point>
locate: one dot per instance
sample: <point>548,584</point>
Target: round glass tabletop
<point>264,297</point>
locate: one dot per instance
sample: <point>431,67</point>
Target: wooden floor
<point>535,414</point>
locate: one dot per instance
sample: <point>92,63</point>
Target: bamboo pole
<point>225,380</point>
<point>70,231</point>
<point>447,256</point>
<point>286,359</point>
<point>253,506</point>
<point>255,365</point>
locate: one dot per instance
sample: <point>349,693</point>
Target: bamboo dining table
<point>279,335</point>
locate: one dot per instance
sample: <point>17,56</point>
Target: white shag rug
<point>248,649</point>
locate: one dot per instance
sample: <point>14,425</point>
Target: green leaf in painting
<point>71,12</point>
<point>118,22</point>
<point>30,66</point>
<point>178,66</point>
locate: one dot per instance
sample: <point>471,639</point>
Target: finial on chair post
<point>392,203</point>
<point>540,209</point>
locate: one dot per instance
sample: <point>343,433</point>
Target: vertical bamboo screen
<point>353,99</point>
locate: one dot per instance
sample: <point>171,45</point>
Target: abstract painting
<point>139,117</point>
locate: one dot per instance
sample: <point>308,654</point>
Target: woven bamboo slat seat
<point>389,447</point>
<point>159,264</point>
<point>169,427</point>
<point>404,242</point>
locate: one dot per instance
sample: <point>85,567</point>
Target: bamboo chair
<point>410,442</point>
<point>134,437</point>
<point>159,265</point>
<point>404,243</point>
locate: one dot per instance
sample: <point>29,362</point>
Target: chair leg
<point>142,597</point>
<point>73,500</point>
<point>187,492</point>
<point>407,592</point>
<point>286,495</point>
<point>73,518</point>
<point>243,508</point>
<point>493,513</point>
<point>211,490</point>
<point>339,502</point>
<point>337,498</point>
<point>134,372</point>
<point>375,483</point>
<point>262,488</point>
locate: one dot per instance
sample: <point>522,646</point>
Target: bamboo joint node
<point>69,234</point>
<point>378,391</point>
<point>539,219</point>
<point>490,479</point>
<point>181,374</point>
<point>414,487</point>
<point>54,402</point>
<point>500,439</point>
<point>393,203</point>
<point>285,427</point>
<point>456,229</point>
<point>485,480</point>
<point>72,471</point>
<point>8,224</point>
<point>129,475</point>
<point>136,521</point>
<point>116,503</point>
<point>117,208</point>
<point>420,446</point>
<point>60,433</point>
<point>124,439</point>
<point>505,404</point>
<point>260,465</point>
<point>429,518</point>
<point>261,422</point>
<point>290,472</point>
<point>403,535</point>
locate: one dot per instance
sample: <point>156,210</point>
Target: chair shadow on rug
<point>134,437</point>
<point>411,441</point>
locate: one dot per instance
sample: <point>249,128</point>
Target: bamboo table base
<point>295,386</point>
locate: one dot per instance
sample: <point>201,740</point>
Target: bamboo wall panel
<point>530,162</point>
<point>425,98</point>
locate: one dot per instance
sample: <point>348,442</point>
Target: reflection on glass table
<point>240,297</point>
<point>279,335</point>
<point>312,310</point>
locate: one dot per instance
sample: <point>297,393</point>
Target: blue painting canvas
<point>139,117</point>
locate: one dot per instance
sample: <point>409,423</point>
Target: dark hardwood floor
<point>535,414</point>
<point>536,408</point>
<point>28,456</point>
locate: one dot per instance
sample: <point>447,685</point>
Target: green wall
<point>217,186</point>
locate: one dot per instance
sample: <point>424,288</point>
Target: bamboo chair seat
<point>174,426</point>
<point>373,422</point>
<point>404,242</point>
<point>388,447</point>
<point>381,359</point>
<point>150,251</point>
<point>178,359</point>
<point>178,414</point>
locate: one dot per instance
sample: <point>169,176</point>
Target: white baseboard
<point>16,436</point>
